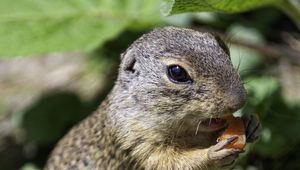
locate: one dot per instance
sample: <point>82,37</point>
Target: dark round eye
<point>177,74</point>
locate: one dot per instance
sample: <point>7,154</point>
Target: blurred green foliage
<point>38,26</point>
<point>53,112</point>
<point>103,29</point>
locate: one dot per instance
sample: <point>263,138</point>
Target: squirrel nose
<point>236,99</point>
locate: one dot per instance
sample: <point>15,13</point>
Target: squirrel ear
<point>128,61</point>
<point>222,44</point>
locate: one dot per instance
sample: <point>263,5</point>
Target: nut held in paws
<point>235,128</point>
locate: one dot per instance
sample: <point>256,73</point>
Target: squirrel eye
<point>177,74</point>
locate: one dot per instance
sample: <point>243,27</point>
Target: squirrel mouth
<point>213,124</point>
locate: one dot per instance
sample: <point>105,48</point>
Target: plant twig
<point>269,50</point>
<point>272,51</point>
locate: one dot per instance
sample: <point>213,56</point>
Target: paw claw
<point>221,144</point>
<point>253,127</point>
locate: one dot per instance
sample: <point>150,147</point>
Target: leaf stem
<point>291,8</point>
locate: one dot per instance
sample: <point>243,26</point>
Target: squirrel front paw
<point>221,157</point>
<point>253,127</point>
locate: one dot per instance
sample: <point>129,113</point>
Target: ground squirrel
<point>165,110</point>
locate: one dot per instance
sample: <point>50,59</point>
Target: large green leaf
<point>40,26</point>
<point>228,6</point>
<point>170,7</point>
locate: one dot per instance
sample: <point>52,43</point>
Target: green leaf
<point>292,9</point>
<point>170,7</point>
<point>39,26</point>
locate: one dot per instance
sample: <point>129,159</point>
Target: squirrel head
<point>173,74</point>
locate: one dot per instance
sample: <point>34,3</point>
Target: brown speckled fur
<point>147,121</point>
